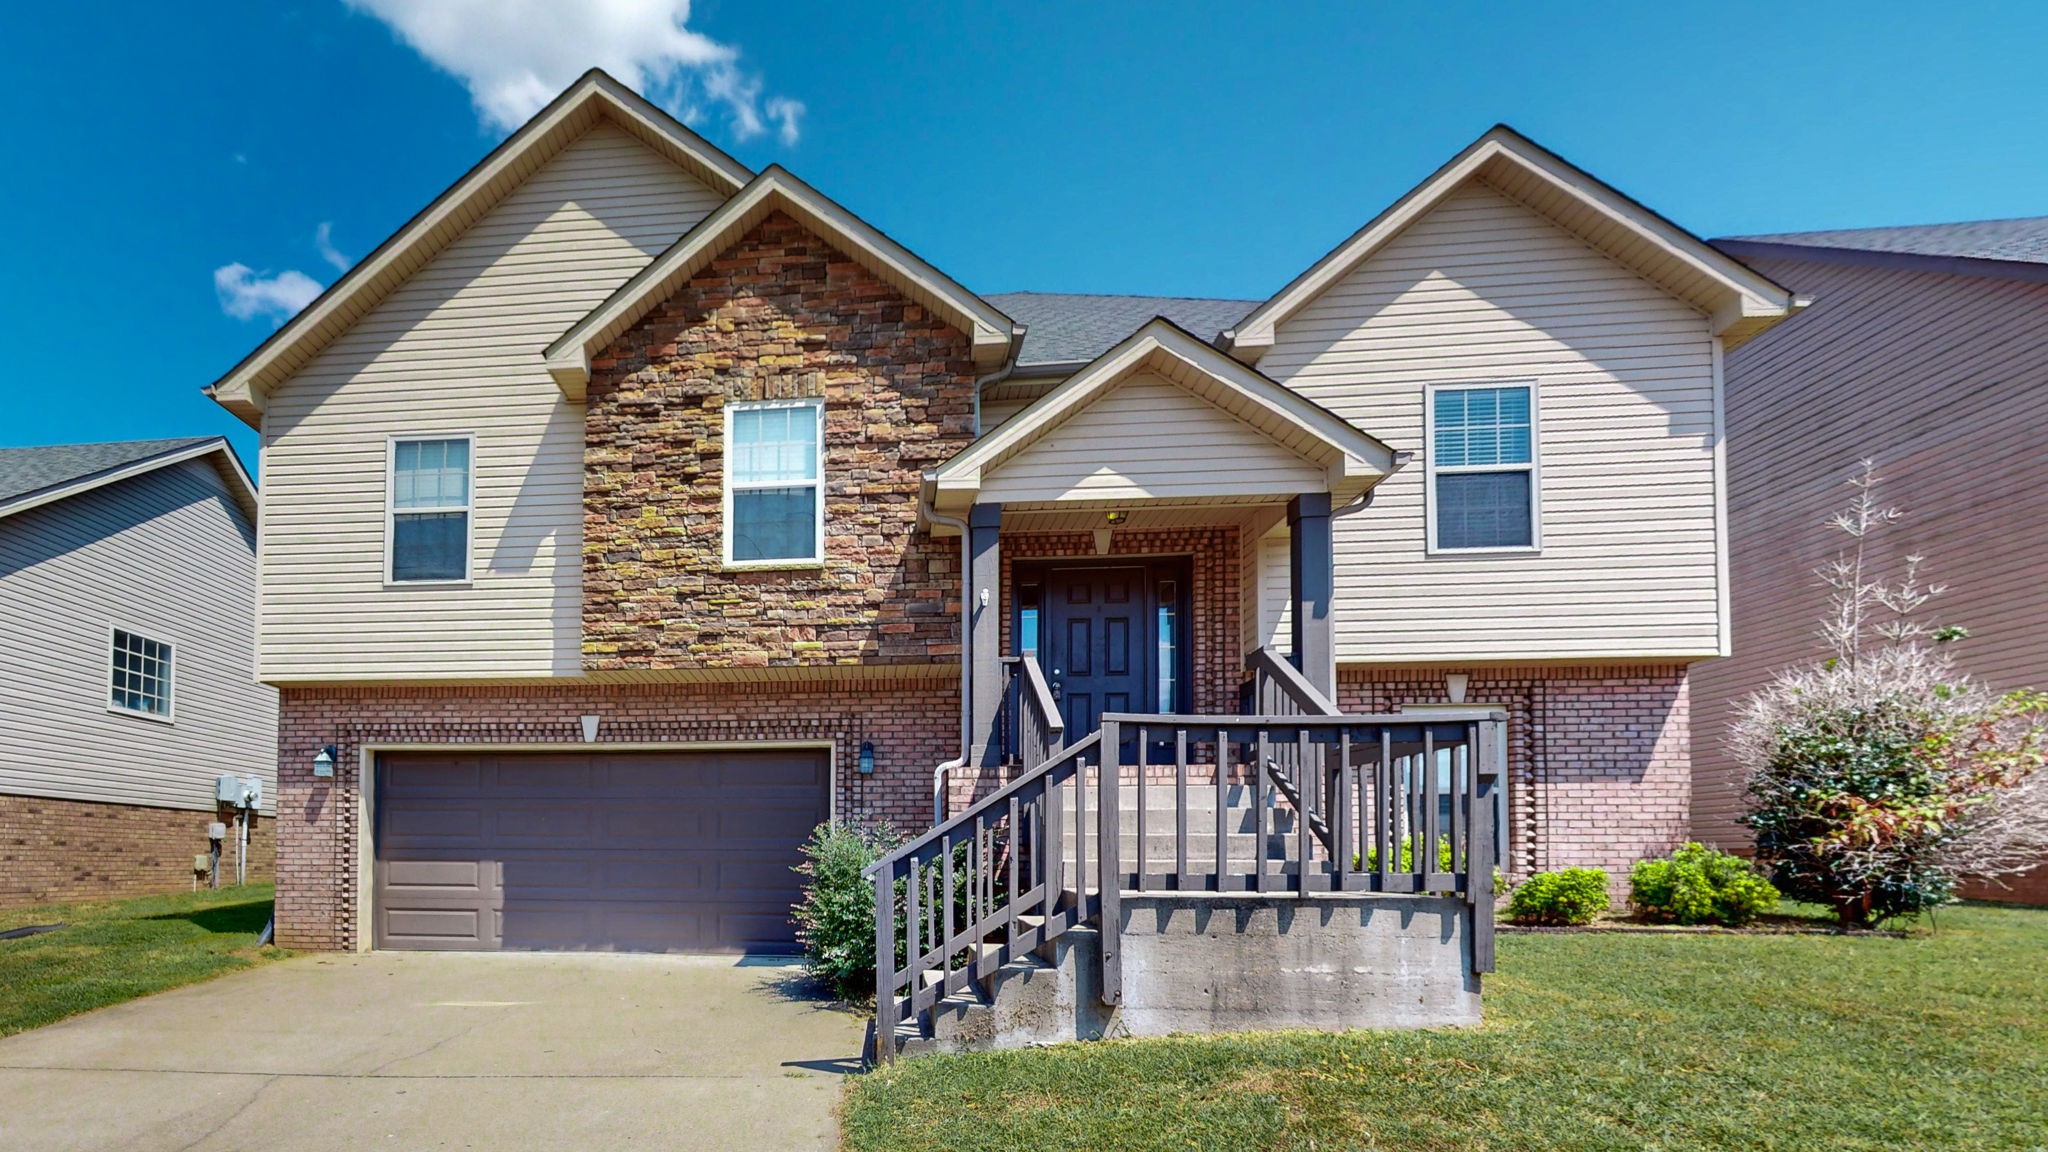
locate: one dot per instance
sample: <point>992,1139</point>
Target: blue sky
<point>1184,148</point>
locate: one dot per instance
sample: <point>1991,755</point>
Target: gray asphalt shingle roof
<point>2024,239</point>
<point>25,471</point>
<point>1065,327</point>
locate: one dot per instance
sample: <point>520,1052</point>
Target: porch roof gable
<point>1343,460</point>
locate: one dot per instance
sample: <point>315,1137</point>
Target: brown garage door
<point>643,852</point>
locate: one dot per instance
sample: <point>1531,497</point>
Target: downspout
<point>939,774</point>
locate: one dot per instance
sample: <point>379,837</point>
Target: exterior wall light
<point>867,758</point>
<point>323,764</point>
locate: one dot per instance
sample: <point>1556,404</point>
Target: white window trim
<point>170,713</point>
<point>468,509</point>
<point>817,557</point>
<point>1534,467</point>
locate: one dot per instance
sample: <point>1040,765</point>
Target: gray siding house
<point>1925,349</point>
<point>127,673</point>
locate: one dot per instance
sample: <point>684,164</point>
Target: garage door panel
<point>516,822</point>
<point>626,852</point>
<point>661,824</point>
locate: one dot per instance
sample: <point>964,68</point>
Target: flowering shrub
<point>1882,776</point>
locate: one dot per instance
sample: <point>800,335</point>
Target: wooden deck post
<point>1311,575</point>
<point>984,639</point>
<point>1109,860</point>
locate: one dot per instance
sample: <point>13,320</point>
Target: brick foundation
<point>914,725</point>
<point>67,850</point>
<point>1599,758</point>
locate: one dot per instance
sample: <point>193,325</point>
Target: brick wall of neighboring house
<point>1599,758</point>
<point>63,850</point>
<point>914,724</point>
<point>781,315</point>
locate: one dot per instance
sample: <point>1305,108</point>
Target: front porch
<point>1151,727</point>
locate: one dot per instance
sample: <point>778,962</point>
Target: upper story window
<point>1482,468</point>
<point>428,531</point>
<point>139,676</point>
<point>774,487</point>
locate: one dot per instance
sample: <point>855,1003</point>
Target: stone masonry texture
<point>914,724</point>
<point>1599,758</point>
<point>780,315</point>
<point>64,850</point>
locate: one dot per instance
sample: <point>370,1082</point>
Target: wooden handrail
<point>1036,726</point>
<point>1280,674</point>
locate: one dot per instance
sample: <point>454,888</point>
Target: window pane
<point>1478,427</point>
<point>141,674</point>
<point>429,546</point>
<point>430,474</point>
<point>770,444</point>
<point>1169,650</point>
<point>775,524</point>
<point>1484,510</point>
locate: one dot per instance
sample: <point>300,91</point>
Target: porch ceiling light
<point>1116,516</point>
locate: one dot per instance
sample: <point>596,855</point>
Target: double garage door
<point>639,852</point>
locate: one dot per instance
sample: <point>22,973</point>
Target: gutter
<point>981,383</point>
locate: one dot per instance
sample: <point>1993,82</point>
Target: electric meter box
<point>228,789</point>
<point>252,792</point>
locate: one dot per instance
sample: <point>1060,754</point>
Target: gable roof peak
<point>992,335</point>
<point>594,97</point>
<point>1739,300</point>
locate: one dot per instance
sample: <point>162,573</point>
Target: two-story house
<point>629,512</point>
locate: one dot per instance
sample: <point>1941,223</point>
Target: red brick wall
<point>1599,758</point>
<point>913,723</point>
<point>781,315</point>
<point>64,850</point>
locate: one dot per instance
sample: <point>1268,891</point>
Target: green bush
<point>836,917</point>
<point>1370,861</point>
<point>1572,896</point>
<point>1698,885</point>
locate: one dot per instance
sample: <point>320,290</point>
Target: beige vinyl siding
<point>1275,617</point>
<point>1150,438</point>
<point>1941,379</point>
<point>169,555</point>
<point>457,349</point>
<point>995,412</point>
<point>1483,290</point>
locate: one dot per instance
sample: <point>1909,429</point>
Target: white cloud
<point>516,55</point>
<point>246,295</point>
<point>323,239</point>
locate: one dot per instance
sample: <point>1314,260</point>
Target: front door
<point>1111,638</point>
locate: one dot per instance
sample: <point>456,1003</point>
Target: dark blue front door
<point>1096,643</point>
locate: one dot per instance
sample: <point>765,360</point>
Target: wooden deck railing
<point>1406,800</point>
<point>1032,725</point>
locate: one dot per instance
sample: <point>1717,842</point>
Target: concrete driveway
<point>425,1050</point>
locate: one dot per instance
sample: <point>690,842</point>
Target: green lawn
<point>1661,1042</point>
<point>118,951</point>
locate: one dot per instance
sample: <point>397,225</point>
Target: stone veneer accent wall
<point>1599,758</point>
<point>913,722</point>
<point>55,850</point>
<point>780,315</point>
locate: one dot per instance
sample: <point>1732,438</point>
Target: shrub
<point>1370,861</point>
<point>1698,885</point>
<point>1881,776</point>
<point>1572,896</point>
<point>836,917</point>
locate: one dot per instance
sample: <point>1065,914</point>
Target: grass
<point>118,951</point>
<point>1591,1042</point>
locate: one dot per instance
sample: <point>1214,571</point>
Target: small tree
<point>1883,775</point>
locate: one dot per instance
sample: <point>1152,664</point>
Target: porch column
<point>1311,578</point>
<point>984,638</point>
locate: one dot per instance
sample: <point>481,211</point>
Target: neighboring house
<point>127,665</point>
<point>1924,350</point>
<point>614,518</point>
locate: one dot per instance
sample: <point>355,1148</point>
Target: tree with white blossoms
<point>1882,776</point>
